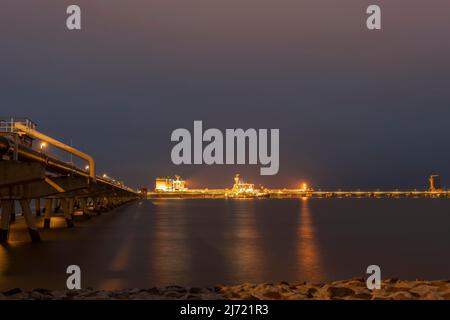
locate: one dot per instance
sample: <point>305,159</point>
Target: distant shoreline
<point>293,193</point>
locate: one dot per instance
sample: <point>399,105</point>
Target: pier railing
<point>7,124</point>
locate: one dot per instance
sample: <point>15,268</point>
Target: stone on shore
<point>355,288</point>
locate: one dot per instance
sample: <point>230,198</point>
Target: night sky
<point>355,108</point>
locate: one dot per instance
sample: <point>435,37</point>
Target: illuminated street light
<point>86,168</point>
<point>43,145</point>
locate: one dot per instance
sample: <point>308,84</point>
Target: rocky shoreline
<point>392,289</point>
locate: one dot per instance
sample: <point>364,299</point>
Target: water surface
<point>211,241</point>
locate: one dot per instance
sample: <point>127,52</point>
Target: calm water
<point>206,242</point>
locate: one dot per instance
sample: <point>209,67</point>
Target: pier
<point>36,179</point>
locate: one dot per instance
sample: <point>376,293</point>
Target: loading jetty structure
<point>241,189</point>
<point>29,173</point>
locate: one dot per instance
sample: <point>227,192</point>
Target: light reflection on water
<point>169,248</point>
<point>246,256</point>
<point>3,260</point>
<point>308,252</point>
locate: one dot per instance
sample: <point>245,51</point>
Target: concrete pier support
<point>114,202</point>
<point>97,205</point>
<point>13,212</point>
<point>48,212</point>
<point>29,219</point>
<point>67,205</point>
<point>83,204</point>
<point>37,205</point>
<point>76,204</point>
<point>110,203</point>
<point>58,204</point>
<point>71,207</point>
<point>5,219</point>
<point>106,204</point>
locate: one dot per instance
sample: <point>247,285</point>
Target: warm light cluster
<point>242,187</point>
<point>169,184</point>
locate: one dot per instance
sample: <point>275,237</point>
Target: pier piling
<point>30,221</point>
<point>37,205</point>
<point>48,212</point>
<point>5,220</point>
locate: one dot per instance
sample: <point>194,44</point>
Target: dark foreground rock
<point>392,289</point>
